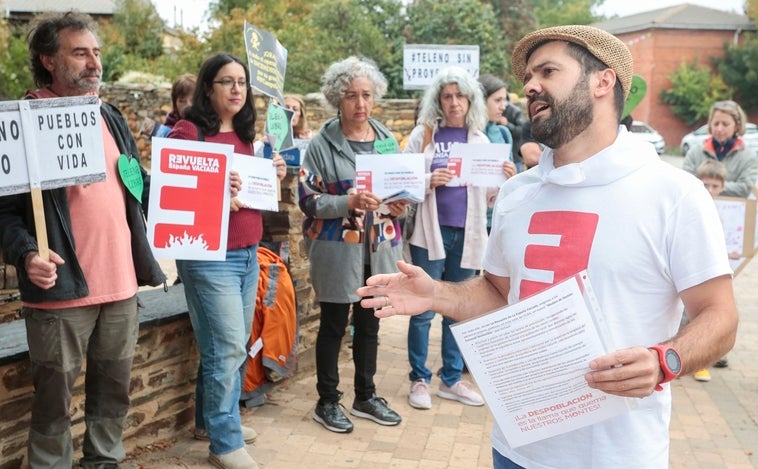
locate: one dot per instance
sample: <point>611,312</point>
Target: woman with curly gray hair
<point>450,232</point>
<point>348,237</point>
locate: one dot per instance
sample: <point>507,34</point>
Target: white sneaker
<point>237,459</point>
<point>462,391</point>
<point>248,434</point>
<point>419,395</point>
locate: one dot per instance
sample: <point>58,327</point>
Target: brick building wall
<point>658,53</point>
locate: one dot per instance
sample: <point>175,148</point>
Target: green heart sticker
<point>386,146</point>
<point>636,93</point>
<point>131,175</point>
<point>277,124</point>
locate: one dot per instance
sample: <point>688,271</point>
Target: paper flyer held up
<point>478,164</point>
<point>529,360</point>
<point>259,182</point>
<point>388,175</point>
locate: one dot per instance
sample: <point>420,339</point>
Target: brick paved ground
<point>714,425</point>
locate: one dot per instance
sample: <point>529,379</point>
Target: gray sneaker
<point>330,415</point>
<point>375,409</point>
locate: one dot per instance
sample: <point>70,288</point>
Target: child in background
<point>713,174</point>
<point>181,97</point>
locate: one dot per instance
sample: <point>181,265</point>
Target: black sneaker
<point>375,409</point>
<point>723,363</point>
<point>332,418</point>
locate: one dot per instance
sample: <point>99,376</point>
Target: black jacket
<point>18,235</point>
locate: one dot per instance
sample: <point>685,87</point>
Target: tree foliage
<point>345,28</point>
<point>140,28</point>
<point>15,77</point>
<point>693,90</point>
<point>464,22</point>
<point>739,68</point>
<point>561,12</point>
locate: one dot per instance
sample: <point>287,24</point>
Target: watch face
<point>673,361</point>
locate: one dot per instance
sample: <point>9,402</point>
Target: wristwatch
<point>670,362</point>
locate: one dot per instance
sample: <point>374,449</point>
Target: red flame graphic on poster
<point>208,170</point>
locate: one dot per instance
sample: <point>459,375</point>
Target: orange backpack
<point>272,349</point>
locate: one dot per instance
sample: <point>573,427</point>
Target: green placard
<point>131,176</point>
<point>636,93</point>
<point>386,146</point>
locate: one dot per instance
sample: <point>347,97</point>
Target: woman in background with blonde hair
<point>726,124</point>
<point>296,104</point>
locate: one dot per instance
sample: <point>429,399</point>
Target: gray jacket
<point>741,166</point>
<point>338,239</point>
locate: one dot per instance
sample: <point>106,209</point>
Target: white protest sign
<point>189,199</point>
<point>50,143</point>
<point>422,62</point>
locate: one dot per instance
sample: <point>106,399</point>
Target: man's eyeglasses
<point>228,83</point>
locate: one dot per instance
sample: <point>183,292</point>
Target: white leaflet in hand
<point>529,360</point>
<point>386,175</point>
<point>478,164</point>
<point>259,182</point>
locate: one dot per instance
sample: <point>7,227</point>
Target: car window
<point>640,128</point>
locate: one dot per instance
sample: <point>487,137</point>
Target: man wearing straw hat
<point>603,202</point>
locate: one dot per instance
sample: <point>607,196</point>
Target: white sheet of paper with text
<point>529,360</point>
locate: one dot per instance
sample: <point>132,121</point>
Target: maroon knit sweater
<point>245,225</point>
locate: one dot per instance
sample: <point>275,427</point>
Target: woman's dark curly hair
<point>202,112</point>
<point>43,39</point>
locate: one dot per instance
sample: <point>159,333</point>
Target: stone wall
<point>162,380</point>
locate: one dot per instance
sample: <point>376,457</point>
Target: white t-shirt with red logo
<point>644,231</point>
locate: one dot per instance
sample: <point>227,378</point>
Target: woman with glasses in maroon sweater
<point>221,294</point>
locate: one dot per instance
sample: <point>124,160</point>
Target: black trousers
<point>334,317</point>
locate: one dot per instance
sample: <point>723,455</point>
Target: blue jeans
<point>501,462</point>
<point>448,269</point>
<point>221,300</point>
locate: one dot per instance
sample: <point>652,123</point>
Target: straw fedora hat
<point>604,46</point>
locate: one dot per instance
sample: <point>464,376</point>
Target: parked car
<point>645,132</point>
<point>698,136</point>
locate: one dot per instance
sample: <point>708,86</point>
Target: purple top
<point>451,201</point>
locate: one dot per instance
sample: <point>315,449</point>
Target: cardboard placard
<point>738,218</point>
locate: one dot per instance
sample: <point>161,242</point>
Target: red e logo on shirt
<point>576,231</point>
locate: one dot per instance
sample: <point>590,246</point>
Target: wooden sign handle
<point>39,222</point>
<point>278,182</point>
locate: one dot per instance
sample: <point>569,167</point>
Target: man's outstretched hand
<point>408,292</point>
